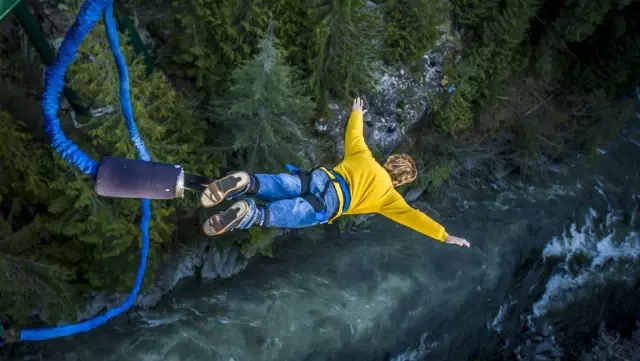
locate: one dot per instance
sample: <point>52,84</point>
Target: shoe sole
<point>222,188</point>
<point>227,220</point>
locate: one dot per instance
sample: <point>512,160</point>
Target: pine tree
<point>343,49</point>
<point>410,28</point>
<point>579,18</point>
<point>472,13</point>
<point>32,278</point>
<point>210,37</point>
<point>498,34</point>
<point>615,66</point>
<point>266,111</point>
<point>294,29</point>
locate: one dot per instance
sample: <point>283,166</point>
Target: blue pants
<point>286,208</point>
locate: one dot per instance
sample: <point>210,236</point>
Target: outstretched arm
<point>354,135</point>
<point>399,211</point>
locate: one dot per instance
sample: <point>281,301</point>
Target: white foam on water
<point>496,324</point>
<point>598,247</point>
<point>155,322</point>
<point>416,353</point>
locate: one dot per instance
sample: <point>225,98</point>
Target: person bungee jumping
<point>358,185</point>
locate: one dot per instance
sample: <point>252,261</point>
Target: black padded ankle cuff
<point>254,185</point>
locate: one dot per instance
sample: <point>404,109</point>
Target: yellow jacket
<point>371,188</point>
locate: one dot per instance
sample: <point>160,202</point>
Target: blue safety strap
<point>292,168</point>
<point>322,216</point>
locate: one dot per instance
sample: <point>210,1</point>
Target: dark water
<point>388,291</point>
<point>577,264</point>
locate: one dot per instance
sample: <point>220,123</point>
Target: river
<point>389,293</point>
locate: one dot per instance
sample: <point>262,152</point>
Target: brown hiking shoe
<point>223,188</point>
<point>227,220</point>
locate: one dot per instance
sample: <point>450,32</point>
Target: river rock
<point>542,358</point>
<point>544,347</point>
<point>222,263</point>
<point>415,193</point>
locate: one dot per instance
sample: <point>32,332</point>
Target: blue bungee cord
<point>89,14</point>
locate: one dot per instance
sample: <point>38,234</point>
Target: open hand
<point>358,104</point>
<point>457,241</point>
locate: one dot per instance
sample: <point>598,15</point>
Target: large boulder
<point>399,101</point>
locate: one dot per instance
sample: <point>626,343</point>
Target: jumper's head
<point>401,169</point>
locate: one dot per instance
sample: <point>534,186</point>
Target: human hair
<point>401,168</point>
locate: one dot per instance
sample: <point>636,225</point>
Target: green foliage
<point>353,223</point>
<point>292,25</point>
<point>342,53</point>
<point>410,28</point>
<point>527,78</point>
<point>266,110</point>
<point>579,19</point>
<point>436,175</point>
<point>260,242</point>
<point>210,37</point>
<point>616,67</point>
<point>489,61</point>
<point>31,276</point>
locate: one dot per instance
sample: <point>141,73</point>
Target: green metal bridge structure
<point>20,10</point>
